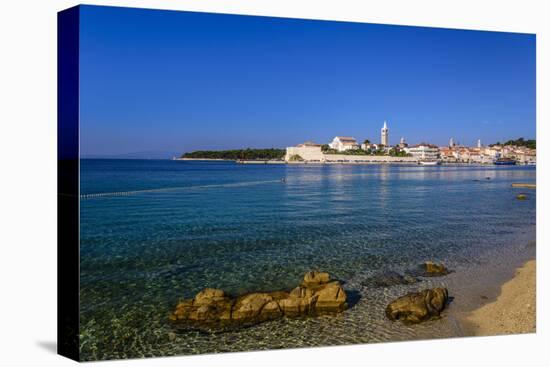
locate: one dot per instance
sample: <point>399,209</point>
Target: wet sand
<point>514,310</point>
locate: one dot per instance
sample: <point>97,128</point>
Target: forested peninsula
<point>236,154</point>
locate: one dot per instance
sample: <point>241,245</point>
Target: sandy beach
<point>513,312</point>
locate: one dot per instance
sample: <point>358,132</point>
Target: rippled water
<point>163,230</point>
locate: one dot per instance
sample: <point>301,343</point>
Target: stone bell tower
<point>385,138</point>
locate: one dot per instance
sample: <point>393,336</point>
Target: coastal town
<point>346,149</point>
<point>349,150</point>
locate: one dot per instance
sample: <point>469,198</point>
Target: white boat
<point>429,162</point>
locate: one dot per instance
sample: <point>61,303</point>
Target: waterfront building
<point>495,152</point>
<point>471,155</point>
<point>308,144</point>
<point>479,143</point>
<point>424,151</point>
<point>307,151</point>
<point>508,151</point>
<point>526,157</point>
<point>451,143</point>
<point>403,143</point>
<point>369,146</point>
<point>463,154</point>
<point>522,155</point>
<point>343,143</point>
<point>475,155</point>
<point>384,132</point>
<point>447,154</point>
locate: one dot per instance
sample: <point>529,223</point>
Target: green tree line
<point>248,154</point>
<point>521,142</point>
<point>394,152</point>
<point>530,143</point>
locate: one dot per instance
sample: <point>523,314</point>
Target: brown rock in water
<point>204,307</point>
<point>331,298</point>
<point>428,269</point>
<point>433,269</point>
<point>315,277</point>
<point>297,306</point>
<point>270,311</point>
<point>278,295</point>
<point>247,308</point>
<point>521,197</point>
<point>419,306</point>
<point>211,308</point>
<point>207,295</point>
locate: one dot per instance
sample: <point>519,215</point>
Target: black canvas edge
<point>68,190</point>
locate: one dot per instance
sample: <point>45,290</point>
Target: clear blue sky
<point>177,81</point>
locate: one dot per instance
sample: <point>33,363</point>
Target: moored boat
<point>429,162</point>
<point>505,162</point>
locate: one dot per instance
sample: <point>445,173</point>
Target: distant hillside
<point>249,154</point>
<point>521,142</point>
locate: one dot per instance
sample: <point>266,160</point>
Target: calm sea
<point>156,231</point>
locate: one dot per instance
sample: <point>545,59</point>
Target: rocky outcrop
<point>419,306</point>
<point>315,278</point>
<point>521,197</point>
<point>213,309</point>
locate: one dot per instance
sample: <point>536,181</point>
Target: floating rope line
<point>168,189</point>
<point>309,178</point>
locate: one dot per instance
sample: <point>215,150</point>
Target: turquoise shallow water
<point>182,226</point>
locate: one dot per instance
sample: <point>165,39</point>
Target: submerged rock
<point>213,309</point>
<point>418,306</point>
<point>521,197</point>
<point>434,269</point>
<point>429,269</point>
<point>390,279</point>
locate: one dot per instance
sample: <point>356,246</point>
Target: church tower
<point>385,139</point>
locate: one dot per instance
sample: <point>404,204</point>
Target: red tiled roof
<point>425,145</point>
<point>346,138</point>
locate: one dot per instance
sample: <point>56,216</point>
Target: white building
<point>343,143</point>
<point>424,151</point>
<point>384,135</point>
<point>448,154</point>
<point>494,152</point>
<point>451,143</point>
<point>307,151</point>
<point>369,146</point>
